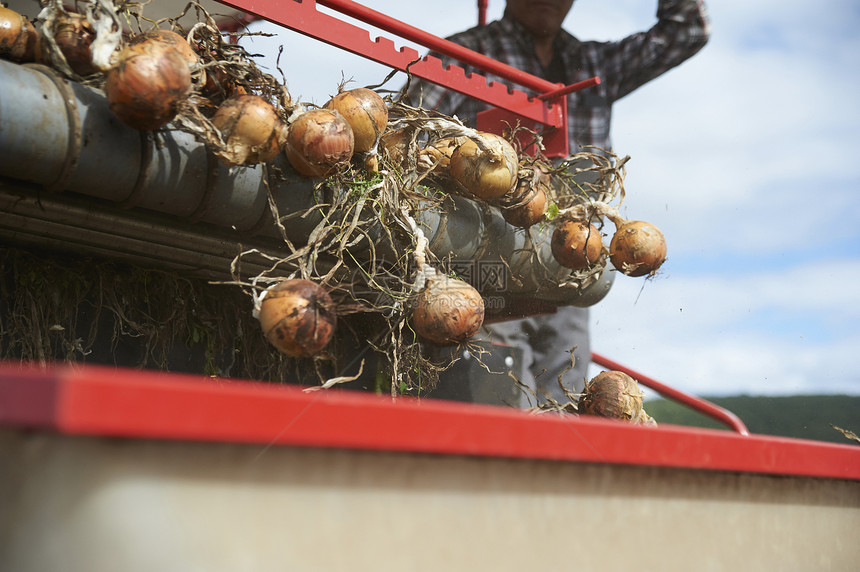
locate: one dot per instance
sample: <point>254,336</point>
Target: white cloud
<point>766,333</point>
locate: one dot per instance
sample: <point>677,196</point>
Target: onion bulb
<point>488,173</point>
<point>19,40</point>
<point>297,317</point>
<point>528,204</point>
<point>251,130</point>
<point>613,394</point>
<point>394,146</point>
<point>440,151</point>
<point>218,86</point>
<point>74,35</point>
<point>448,311</point>
<point>576,244</point>
<point>637,248</point>
<point>318,142</point>
<point>146,87</point>
<point>176,42</point>
<point>366,113</point>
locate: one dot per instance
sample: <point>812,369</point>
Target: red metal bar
<point>555,94</point>
<point>303,17</point>
<point>482,12</point>
<point>127,403</point>
<point>703,406</point>
<point>465,55</point>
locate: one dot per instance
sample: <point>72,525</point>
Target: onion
<point>613,394</point>
<point>637,248</point>
<point>297,317</point>
<point>176,42</point>
<point>576,244</point>
<point>366,113</point>
<point>147,85</point>
<point>19,40</point>
<point>219,86</point>
<point>319,141</point>
<point>488,173</point>
<point>394,146</point>
<point>448,311</point>
<point>440,151</point>
<point>74,35</point>
<point>251,129</point>
<point>528,205</point>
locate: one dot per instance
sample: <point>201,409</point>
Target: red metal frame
<point>102,401</point>
<point>704,407</point>
<point>546,110</point>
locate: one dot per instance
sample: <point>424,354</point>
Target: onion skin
<point>394,145</point>
<point>440,151</point>
<point>19,40</point>
<point>637,248</point>
<point>319,141</point>
<point>576,244</point>
<point>175,42</point>
<point>448,311</point>
<point>219,86</point>
<point>297,317</point>
<point>366,113</point>
<point>251,129</point>
<point>74,35</point>
<point>148,84</point>
<point>529,206</point>
<point>488,175</point>
<point>613,394</point>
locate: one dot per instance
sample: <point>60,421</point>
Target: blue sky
<point>747,156</point>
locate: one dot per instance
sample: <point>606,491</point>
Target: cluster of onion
<point>153,76</point>
<point>637,248</point>
<point>616,395</point>
<point>321,141</point>
<point>486,167</point>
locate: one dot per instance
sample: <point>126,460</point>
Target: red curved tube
<point>703,406</point>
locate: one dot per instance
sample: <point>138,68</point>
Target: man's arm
<point>682,29</point>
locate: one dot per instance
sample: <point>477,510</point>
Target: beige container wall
<point>95,504</point>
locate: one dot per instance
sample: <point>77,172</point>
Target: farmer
<point>530,37</point>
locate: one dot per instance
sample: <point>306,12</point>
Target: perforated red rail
<point>304,17</point>
<point>703,406</point>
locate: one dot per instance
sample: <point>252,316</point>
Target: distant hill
<point>802,416</point>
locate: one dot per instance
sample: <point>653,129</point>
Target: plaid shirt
<point>682,29</point>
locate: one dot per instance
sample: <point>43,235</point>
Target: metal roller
<point>62,136</point>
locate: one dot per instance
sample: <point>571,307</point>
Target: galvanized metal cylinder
<point>63,136</point>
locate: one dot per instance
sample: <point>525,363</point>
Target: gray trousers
<point>546,342</point>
